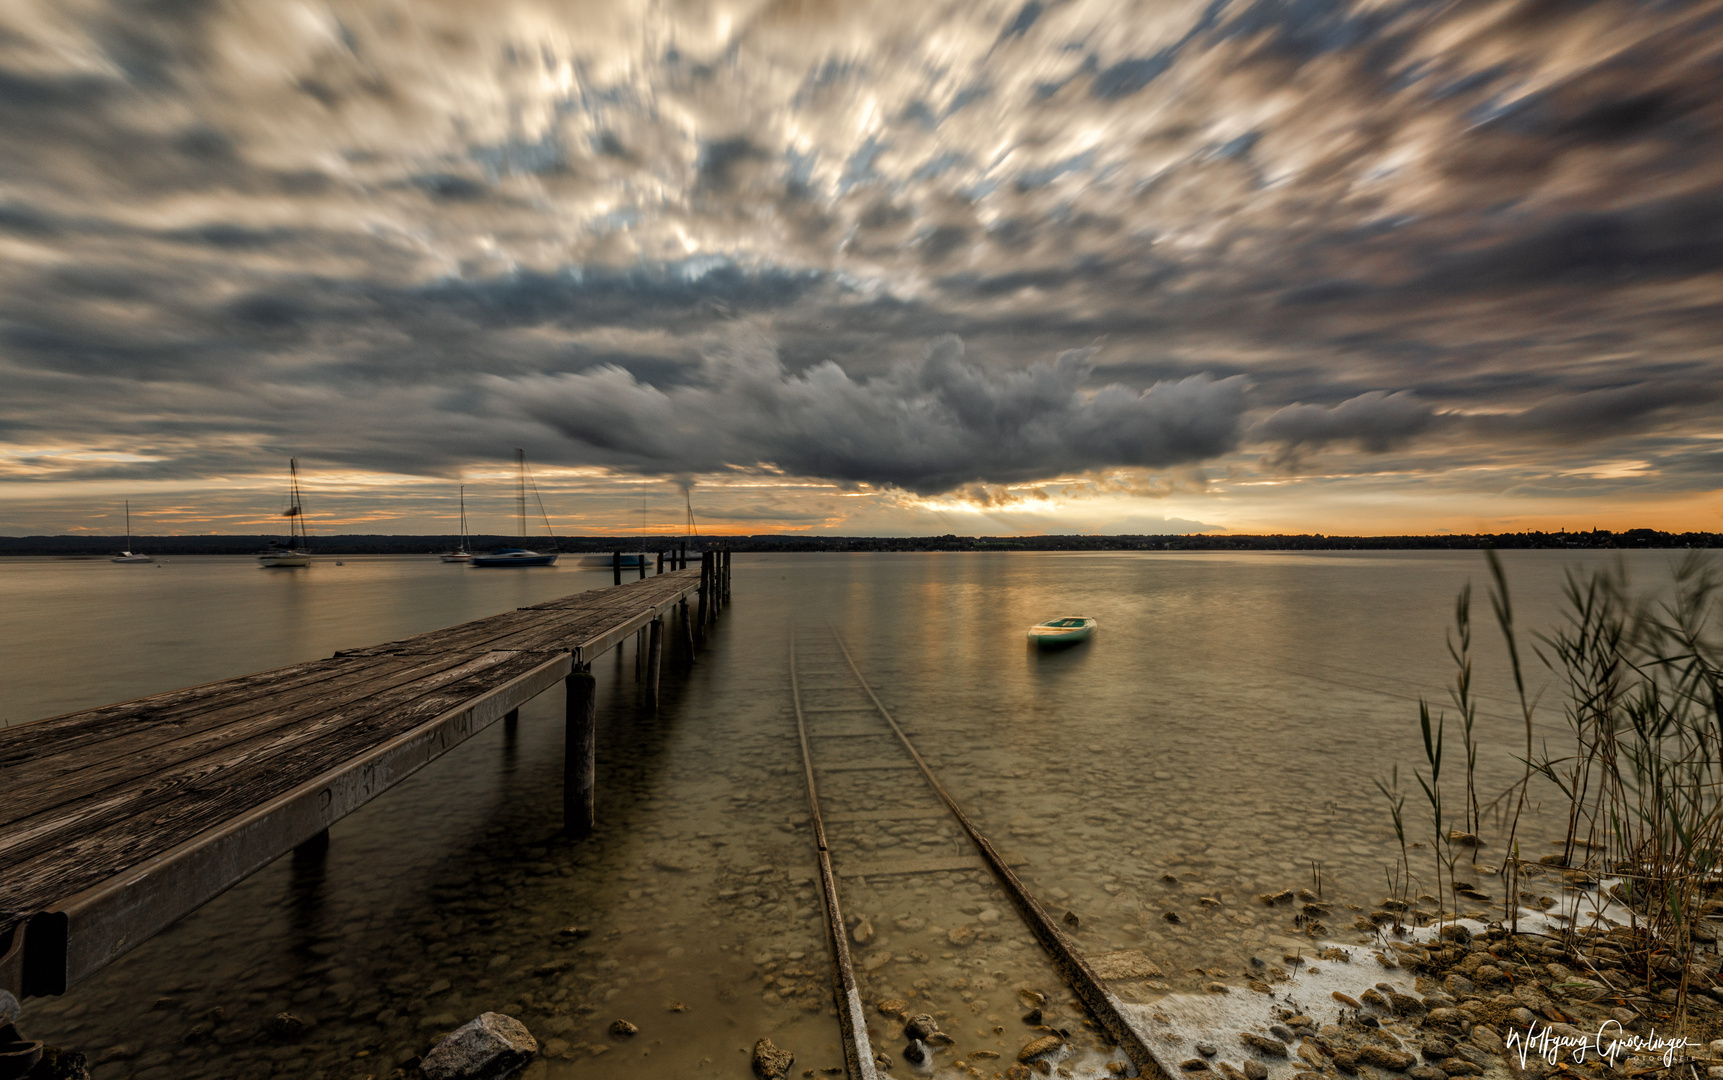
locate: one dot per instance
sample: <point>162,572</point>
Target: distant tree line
<point>92,546</point>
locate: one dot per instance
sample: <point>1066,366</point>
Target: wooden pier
<point>116,822</point>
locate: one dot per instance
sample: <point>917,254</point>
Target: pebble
<point>1262,1045</point>
<point>623,1028</point>
<point>1194,1065</point>
<point>1207,1049</point>
<point>920,1026</point>
<point>863,933</point>
<point>1383,1058</point>
<point>1255,1070</point>
<point>918,1054</point>
<point>892,1007</point>
<point>1404,1004</point>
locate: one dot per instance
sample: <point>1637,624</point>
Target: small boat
<point>604,561</point>
<point>460,554</point>
<point>128,555</point>
<point>297,550</point>
<point>514,557</point>
<point>1066,631</point>
<point>519,556</point>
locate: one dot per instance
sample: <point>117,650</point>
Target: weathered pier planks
<point>115,822</point>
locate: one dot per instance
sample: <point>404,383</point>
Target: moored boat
<point>1066,631</point>
<point>460,554</point>
<point>606,560</point>
<point>128,555</point>
<point>520,556</point>
<point>297,550</point>
<point>514,557</point>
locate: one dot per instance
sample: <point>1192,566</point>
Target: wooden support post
<point>712,588</point>
<point>580,753</point>
<point>687,626</point>
<point>654,660</point>
<point>726,574</point>
<point>312,850</point>
<point>661,562</point>
<point>705,595</point>
<point>616,567</point>
<point>511,720</point>
<point>642,558</point>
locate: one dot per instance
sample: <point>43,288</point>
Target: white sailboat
<point>297,551</point>
<point>128,555</point>
<point>460,554</point>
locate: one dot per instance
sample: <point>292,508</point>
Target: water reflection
<point>1216,737</point>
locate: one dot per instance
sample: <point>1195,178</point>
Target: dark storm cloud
<point>927,425</point>
<point>393,233</point>
<point>1600,414</point>
<point>1376,421</point>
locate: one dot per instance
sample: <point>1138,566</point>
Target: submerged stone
<point>772,1062</point>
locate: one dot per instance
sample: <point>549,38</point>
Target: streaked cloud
<point>1428,247</point>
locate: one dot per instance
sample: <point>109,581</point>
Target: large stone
<point>1046,1044</point>
<point>920,1026</point>
<point>771,1062</point>
<point>488,1048</point>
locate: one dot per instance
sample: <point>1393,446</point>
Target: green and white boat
<point>1066,631</point>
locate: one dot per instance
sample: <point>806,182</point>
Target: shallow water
<point>1224,728</point>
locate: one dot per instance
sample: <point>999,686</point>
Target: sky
<point>915,267</point>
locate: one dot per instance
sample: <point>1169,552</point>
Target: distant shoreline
<point>359,544</point>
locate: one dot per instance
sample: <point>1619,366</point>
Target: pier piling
<point>580,753</point>
<point>616,567</point>
<point>705,596</point>
<point>654,660</point>
<point>312,849</point>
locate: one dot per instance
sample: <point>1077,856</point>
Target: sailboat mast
<point>463,517</point>
<point>520,488</point>
<point>128,525</point>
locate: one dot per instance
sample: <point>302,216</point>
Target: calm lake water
<point>1222,730</point>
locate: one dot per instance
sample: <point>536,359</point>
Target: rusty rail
<point>1077,972</point>
<point>858,1050</point>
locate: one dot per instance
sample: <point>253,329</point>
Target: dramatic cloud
<point>1438,239</point>
<point>1378,421</point>
<point>927,425</point>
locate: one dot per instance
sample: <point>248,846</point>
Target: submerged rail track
<point>872,724</point>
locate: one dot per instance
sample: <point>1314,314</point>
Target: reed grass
<point>1639,774</point>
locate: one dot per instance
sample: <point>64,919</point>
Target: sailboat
<point>460,554</point>
<point>128,555</point>
<point>520,556</point>
<point>297,551</point>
